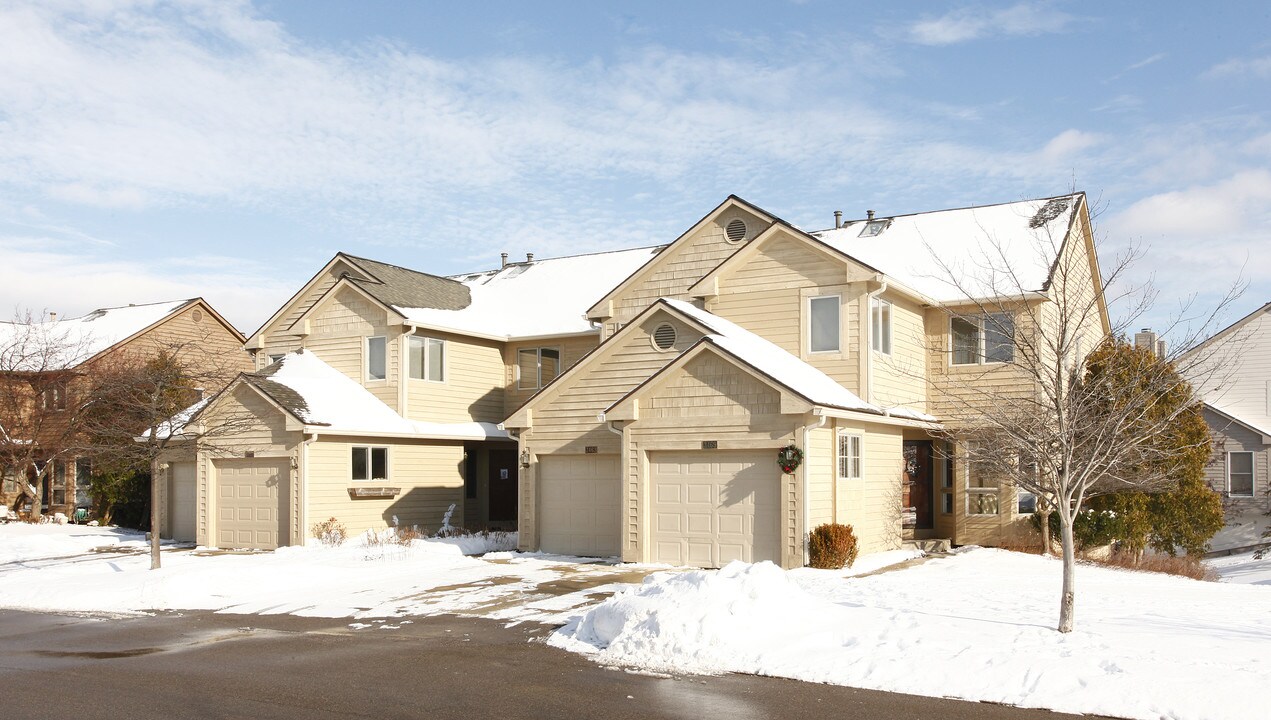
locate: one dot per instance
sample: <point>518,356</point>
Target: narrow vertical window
<point>436,360</point>
<point>376,358</point>
<point>536,367</point>
<point>427,359</point>
<point>823,324</point>
<point>966,341</point>
<point>880,325</point>
<point>849,457</point>
<point>1240,474</point>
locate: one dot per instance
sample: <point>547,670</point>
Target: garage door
<point>579,504</point>
<point>710,508</point>
<point>251,502</point>
<point>183,499</point>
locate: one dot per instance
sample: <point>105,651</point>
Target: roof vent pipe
<point>505,259</point>
<point>838,218</point>
<point>869,214</point>
<point>529,257</point>
<point>52,316</point>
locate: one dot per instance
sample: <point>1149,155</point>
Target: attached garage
<point>183,501</point>
<point>580,497</point>
<point>708,508</point>
<point>252,497</point>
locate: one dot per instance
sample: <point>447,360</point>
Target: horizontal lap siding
<point>768,296</point>
<point>430,477</point>
<point>280,328</point>
<point>1232,437</point>
<point>473,387</point>
<point>571,349</point>
<point>819,464</point>
<point>901,377</point>
<point>338,338</point>
<point>872,504</point>
<point>679,268</point>
<point>206,344</point>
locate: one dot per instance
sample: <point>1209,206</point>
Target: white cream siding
<point>900,379</point>
<point>871,504</point>
<point>278,337</point>
<point>473,386</point>
<point>338,333</point>
<point>572,349</point>
<point>819,463</point>
<point>428,473</point>
<point>677,268</point>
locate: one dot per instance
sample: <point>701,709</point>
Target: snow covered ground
<point>89,569</point>
<point>1250,568</point>
<point>978,625</point>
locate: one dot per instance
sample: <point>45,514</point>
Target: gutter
<point>885,419</point>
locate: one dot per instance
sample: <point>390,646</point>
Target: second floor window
<point>54,396</point>
<point>880,325</point>
<point>376,358</point>
<point>537,367</point>
<point>983,339</point>
<point>427,358</point>
<point>370,463</point>
<point>823,324</point>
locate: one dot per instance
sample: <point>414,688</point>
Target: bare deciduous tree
<point>1023,411</point>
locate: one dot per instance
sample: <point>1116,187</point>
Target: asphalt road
<point>234,666</point>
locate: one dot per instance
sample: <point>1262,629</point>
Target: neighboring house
<point>377,397</point>
<point>65,350</point>
<point>1237,399</point>
<point>747,334</point>
<point>643,395</point>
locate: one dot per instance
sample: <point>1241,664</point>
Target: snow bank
<point>1250,568</point>
<point>977,626</point>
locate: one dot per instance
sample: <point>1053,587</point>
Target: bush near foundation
<point>832,546</point>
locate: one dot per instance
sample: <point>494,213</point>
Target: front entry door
<point>917,489</point>
<point>503,473</point>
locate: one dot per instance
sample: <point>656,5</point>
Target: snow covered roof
<point>534,299</point>
<point>319,395</point>
<point>784,368</point>
<point>86,336</point>
<point>909,248</point>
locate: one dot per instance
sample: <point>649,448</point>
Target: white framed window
<point>1240,473</point>
<point>823,323</point>
<point>849,456</point>
<point>880,325</point>
<point>376,358</point>
<point>59,483</point>
<point>984,489</point>
<point>427,358</point>
<point>369,463</point>
<point>1025,502</point>
<point>536,367</point>
<point>54,396</point>
<point>982,339</point>
<point>83,481</point>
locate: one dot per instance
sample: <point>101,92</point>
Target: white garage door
<point>251,502</point>
<point>183,499</point>
<point>710,508</point>
<point>579,504</point>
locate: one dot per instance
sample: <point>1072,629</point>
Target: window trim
<point>1253,473</point>
<point>366,359</point>
<point>882,332</point>
<point>538,353</point>
<point>423,341</point>
<point>53,396</point>
<point>994,491</point>
<point>838,316</point>
<point>370,463</point>
<point>981,335</point>
<point>856,438</point>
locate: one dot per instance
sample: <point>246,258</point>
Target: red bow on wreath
<point>789,458</point>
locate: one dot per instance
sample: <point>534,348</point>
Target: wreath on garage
<point>790,458</point>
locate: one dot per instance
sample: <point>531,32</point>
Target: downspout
<point>519,475</point>
<point>807,506</point>
<point>869,344</point>
<point>301,474</point>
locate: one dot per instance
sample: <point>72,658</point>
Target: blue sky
<point>153,150</point>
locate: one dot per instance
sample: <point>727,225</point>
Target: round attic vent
<point>197,316</point>
<point>664,336</point>
<point>735,231</point>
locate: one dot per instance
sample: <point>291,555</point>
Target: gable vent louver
<point>664,336</point>
<point>735,231</point>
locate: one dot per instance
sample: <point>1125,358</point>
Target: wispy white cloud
<point>1259,67</point>
<point>977,22</point>
<point>1148,61</point>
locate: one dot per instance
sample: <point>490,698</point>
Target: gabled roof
<point>542,298</point>
<point>328,401</point>
<point>402,287</point>
<point>731,201</point>
<point>1236,417</point>
<point>1029,234</point>
<point>93,333</point>
<point>1230,329</point>
<point>772,362</point>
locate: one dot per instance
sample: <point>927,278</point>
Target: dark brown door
<point>503,475</point>
<point>917,489</point>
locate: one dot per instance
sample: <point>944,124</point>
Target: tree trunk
<point>1068,598</point>
<point>1044,513</point>
<point>37,495</point>
<point>154,514</point>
